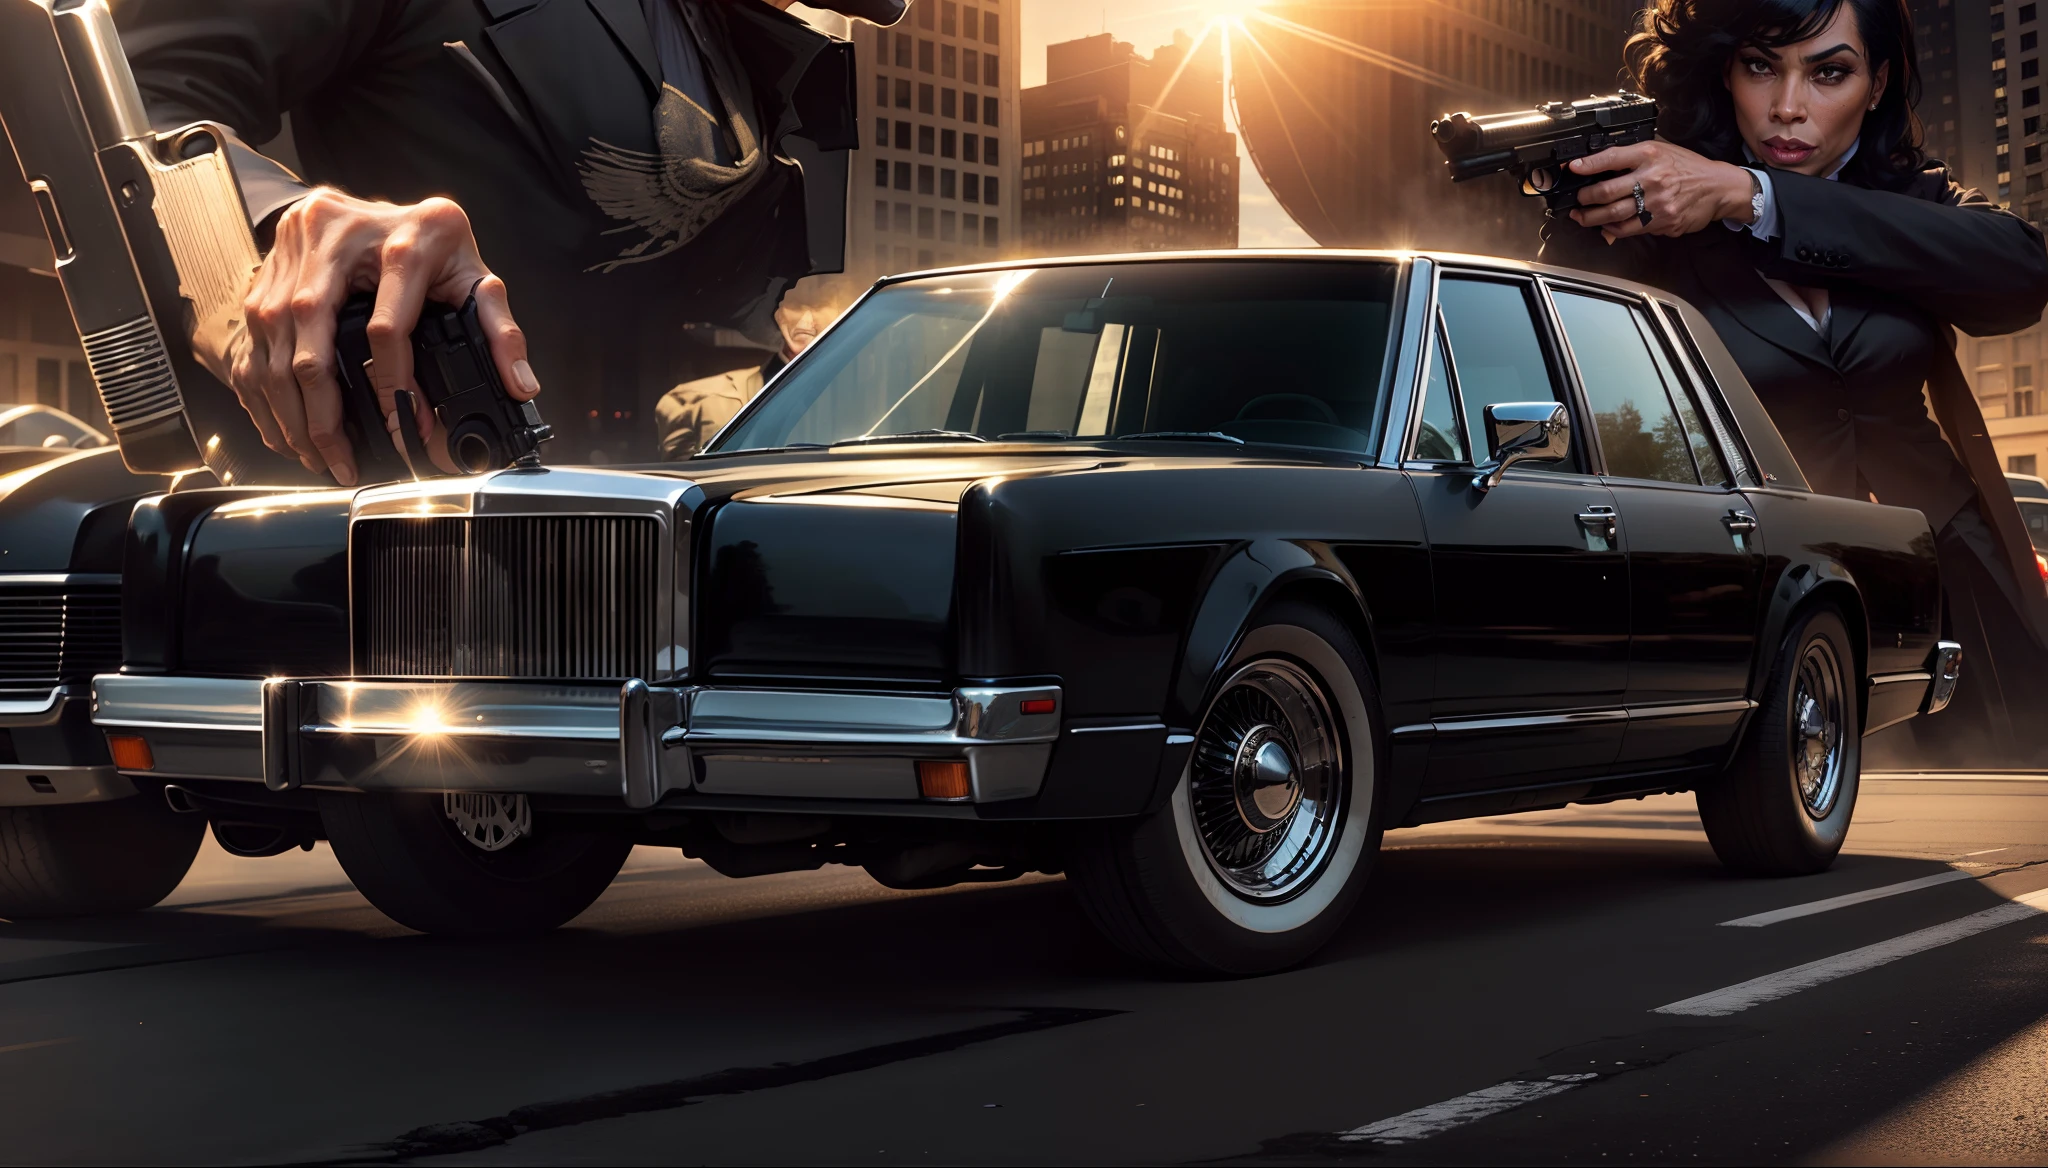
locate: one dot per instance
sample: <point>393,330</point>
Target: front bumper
<point>51,753</point>
<point>635,743</point>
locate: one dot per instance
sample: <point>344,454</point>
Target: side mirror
<point>1522,432</point>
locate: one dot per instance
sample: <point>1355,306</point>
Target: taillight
<point>2041,562</point>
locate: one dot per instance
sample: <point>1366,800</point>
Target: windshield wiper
<point>1034,436</point>
<point>762,449</point>
<point>1176,436</point>
<point>913,436</point>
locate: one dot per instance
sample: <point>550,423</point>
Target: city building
<point>1122,153</point>
<point>935,180</point>
<point>1980,105</point>
<point>1335,101</point>
<point>40,358</point>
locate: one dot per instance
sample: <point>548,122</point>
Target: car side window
<point>1712,470</point>
<point>1440,438</point>
<point>1495,353</point>
<point>1639,429</point>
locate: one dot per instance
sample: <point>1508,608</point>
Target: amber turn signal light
<point>943,780</point>
<point>1037,706</point>
<point>131,752</point>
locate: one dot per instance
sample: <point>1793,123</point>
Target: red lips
<point>1787,151</point>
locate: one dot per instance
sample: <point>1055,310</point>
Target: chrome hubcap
<point>1817,698</point>
<point>1266,782</point>
<point>490,822</point>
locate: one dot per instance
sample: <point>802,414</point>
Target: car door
<point>1695,556</point>
<point>1531,592</point>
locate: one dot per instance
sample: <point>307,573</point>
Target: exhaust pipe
<point>180,800</point>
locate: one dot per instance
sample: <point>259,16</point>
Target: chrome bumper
<point>634,742</point>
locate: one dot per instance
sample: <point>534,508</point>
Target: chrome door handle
<point>1600,518</point>
<point>1740,522</point>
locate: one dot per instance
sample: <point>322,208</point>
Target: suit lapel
<point>1849,310</point>
<point>1730,278</point>
<point>629,24</point>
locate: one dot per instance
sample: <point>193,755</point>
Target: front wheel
<point>82,859</point>
<point>1267,839</point>
<point>1782,808</point>
<point>469,865</point>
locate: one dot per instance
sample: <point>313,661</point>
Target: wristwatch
<point>1756,197</point>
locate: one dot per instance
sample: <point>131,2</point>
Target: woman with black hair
<point>1788,199</point>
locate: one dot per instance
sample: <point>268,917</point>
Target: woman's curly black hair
<point>1680,58</point>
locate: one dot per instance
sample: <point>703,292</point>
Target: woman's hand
<point>282,364</point>
<point>1683,191</point>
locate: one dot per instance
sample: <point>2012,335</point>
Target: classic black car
<point>1186,576</point>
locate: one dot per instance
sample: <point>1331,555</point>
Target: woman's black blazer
<point>1904,269</point>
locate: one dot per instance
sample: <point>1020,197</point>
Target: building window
<point>927,224</point>
<point>949,61</point>
<point>2035,185</point>
<point>968,107</point>
<point>925,184</point>
<point>947,141</point>
<point>2026,13</point>
<point>949,226</point>
<point>881,91</point>
<point>970,190</point>
<point>882,172</point>
<point>970,20</point>
<point>903,218</point>
<point>948,188</point>
<point>925,104</point>
<point>924,257</point>
<point>903,50</point>
<point>881,131</point>
<point>903,176</point>
<point>970,66</point>
<point>991,28</point>
<point>991,69</point>
<point>949,18</point>
<point>2030,96</point>
<point>949,104</point>
<point>881,215</point>
<point>988,191</point>
<point>989,152</point>
<point>988,109</point>
<point>967,147</point>
<point>2028,41</point>
<point>924,15</point>
<point>902,135</point>
<point>902,258</point>
<point>2029,69</point>
<point>2022,403</point>
<point>989,238</point>
<point>902,93</point>
<point>2032,125</point>
<point>2033,155</point>
<point>970,226</point>
<point>926,61</point>
<point>927,140</point>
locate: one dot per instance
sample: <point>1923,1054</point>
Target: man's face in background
<point>805,312</point>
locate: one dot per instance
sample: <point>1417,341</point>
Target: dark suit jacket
<point>1902,267</point>
<point>493,103</point>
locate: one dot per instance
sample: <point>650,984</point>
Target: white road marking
<point>1985,852</point>
<point>1772,986</point>
<point>1437,1118</point>
<point>1808,909</point>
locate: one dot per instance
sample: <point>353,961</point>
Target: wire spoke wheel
<point>1816,740</point>
<point>1266,782</point>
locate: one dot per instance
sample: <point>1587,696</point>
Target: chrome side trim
<point>1569,718</point>
<point>22,785</point>
<point>1405,388</point>
<point>1919,677</point>
<point>49,579</point>
<point>177,703</point>
<point>971,716</point>
<point>1122,729</point>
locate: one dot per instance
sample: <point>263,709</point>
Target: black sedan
<point>1186,576</point>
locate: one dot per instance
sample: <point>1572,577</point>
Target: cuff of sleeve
<point>1766,225</point>
<point>267,186</point>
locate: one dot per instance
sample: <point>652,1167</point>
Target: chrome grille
<point>564,597</point>
<point>133,373</point>
<point>51,635</point>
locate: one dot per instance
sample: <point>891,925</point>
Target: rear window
<point>1274,352</point>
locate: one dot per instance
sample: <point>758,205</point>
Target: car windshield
<point>1256,351</point>
<point>2035,512</point>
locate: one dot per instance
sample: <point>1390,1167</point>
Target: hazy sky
<point>1148,24</point>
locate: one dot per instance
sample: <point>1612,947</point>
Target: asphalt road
<point>1496,999</point>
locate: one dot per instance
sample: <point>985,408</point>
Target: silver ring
<point>1642,208</point>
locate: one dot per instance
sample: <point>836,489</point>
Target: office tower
<point>1125,153</point>
<point>935,179</point>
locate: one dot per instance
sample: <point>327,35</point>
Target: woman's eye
<point>1757,66</point>
<point>1829,74</point>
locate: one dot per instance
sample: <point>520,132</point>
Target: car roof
<point>2026,486</point>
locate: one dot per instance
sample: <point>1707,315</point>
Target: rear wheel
<point>468,864</point>
<point>81,859</point>
<point>1265,844</point>
<point>1783,807</point>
